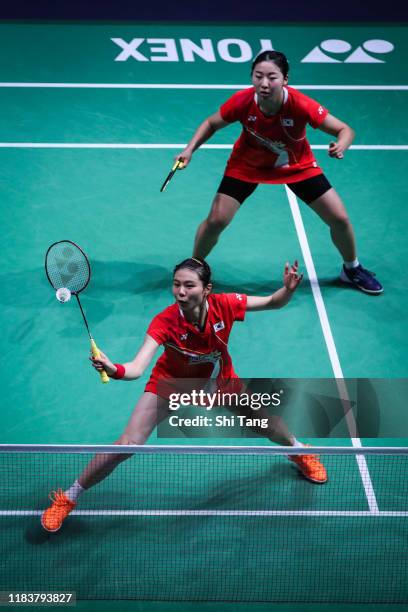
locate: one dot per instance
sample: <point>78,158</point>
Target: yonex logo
<point>287,122</point>
<point>237,50</point>
<point>183,336</point>
<point>219,326</point>
<point>238,296</point>
<point>251,117</point>
<point>337,51</point>
<point>234,50</point>
<point>320,110</point>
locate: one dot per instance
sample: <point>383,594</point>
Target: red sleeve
<point>158,329</point>
<point>316,113</point>
<point>231,109</point>
<point>237,303</point>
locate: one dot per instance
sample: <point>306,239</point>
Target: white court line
<point>331,348</point>
<point>136,145</point>
<point>196,86</point>
<point>361,513</point>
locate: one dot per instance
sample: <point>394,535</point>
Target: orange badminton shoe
<point>310,466</point>
<point>54,516</point>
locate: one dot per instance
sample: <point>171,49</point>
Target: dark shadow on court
<point>336,283</point>
<point>35,533</point>
<point>141,278</point>
<point>128,277</point>
<point>30,289</point>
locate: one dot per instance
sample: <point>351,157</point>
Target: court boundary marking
<point>35,84</point>
<point>331,348</point>
<point>118,145</point>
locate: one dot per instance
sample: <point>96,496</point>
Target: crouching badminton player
<point>194,332</point>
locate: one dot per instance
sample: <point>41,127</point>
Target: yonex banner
<point>168,53</point>
<point>237,50</point>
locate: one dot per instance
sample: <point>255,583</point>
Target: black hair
<point>198,265</point>
<point>276,57</point>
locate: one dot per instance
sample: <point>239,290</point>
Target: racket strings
<point>67,266</point>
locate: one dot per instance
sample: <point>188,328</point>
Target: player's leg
<point>331,210</point>
<point>326,202</point>
<point>149,411</point>
<point>230,195</point>
<point>274,428</point>
<point>268,425</point>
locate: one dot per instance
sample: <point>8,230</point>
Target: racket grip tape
<point>96,353</point>
<point>177,164</point>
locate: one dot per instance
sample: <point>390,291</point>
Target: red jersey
<point>273,148</point>
<point>191,353</point>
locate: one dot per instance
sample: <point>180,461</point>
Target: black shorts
<point>307,190</point>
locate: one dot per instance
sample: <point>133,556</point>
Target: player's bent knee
<point>216,223</point>
<point>123,440</point>
<point>140,437</point>
<point>340,222</point>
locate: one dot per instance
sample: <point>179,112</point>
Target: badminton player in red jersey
<point>194,332</point>
<point>273,148</point>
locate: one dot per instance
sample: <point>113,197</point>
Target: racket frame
<point>77,292</point>
<point>85,257</point>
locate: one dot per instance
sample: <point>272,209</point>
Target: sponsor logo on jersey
<point>219,326</point>
<point>251,117</point>
<point>183,336</point>
<point>238,296</point>
<point>287,122</point>
<point>210,358</point>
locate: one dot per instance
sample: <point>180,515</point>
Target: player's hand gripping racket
<point>177,165</point>
<point>68,270</point>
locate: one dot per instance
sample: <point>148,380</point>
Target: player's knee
<point>138,437</point>
<point>123,440</point>
<point>217,221</point>
<point>340,222</point>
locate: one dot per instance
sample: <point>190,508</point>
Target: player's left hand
<point>291,278</point>
<point>336,150</point>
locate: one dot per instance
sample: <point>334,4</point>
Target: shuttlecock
<point>63,294</point>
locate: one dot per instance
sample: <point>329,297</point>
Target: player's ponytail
<point>198,265</point>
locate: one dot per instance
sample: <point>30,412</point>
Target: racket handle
<point>96,353</point>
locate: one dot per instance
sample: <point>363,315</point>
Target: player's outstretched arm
<point>133,369</point>
<point>203,133</point>
<point>291,281</point>
<point>343,132</point>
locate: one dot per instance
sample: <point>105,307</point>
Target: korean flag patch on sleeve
<point>219,326</point>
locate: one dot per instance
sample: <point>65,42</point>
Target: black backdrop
<point>196,10</point>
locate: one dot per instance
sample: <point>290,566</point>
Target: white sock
<point>74,491</point>
<point>352,264</point>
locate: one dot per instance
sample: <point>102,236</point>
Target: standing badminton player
<point>273,148</point>
<point>194,332</point>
